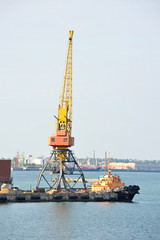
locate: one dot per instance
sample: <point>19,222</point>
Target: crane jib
<point>64,121</point>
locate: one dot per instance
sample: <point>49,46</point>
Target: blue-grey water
<point>78,220</point>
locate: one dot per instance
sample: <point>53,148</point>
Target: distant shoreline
<point>91,170</point>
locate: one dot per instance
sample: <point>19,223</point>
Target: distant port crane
<point>62,162</point>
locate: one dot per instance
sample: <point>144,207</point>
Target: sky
<point>116,76</point>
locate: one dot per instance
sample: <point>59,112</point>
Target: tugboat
<point>109,183</point>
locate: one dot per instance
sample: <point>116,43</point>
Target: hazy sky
<point>116,75</point>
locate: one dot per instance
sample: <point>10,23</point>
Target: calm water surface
<point>76,220</point>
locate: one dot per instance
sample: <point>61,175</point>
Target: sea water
<point>80,220</point>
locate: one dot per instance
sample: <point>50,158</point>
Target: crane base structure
<point>62,164</point>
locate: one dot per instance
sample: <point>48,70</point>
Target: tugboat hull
<point>127,194</point>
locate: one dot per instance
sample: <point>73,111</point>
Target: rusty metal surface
<point>5,170</point>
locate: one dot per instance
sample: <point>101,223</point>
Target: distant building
<point>29,160</point>
<point>120,165</point>
<point>148,167</point>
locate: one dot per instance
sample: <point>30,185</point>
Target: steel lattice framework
<point>62,168</point>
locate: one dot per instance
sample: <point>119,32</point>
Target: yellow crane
<point>66,96</point>
<point>64,121</point>
<point>62,162</point>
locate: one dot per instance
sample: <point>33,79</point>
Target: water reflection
<point>62,209</point>
<point>60,218</point>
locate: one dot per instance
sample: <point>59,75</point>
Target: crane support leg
<point>61,166</point>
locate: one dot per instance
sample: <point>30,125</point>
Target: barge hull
<point>123,195</point>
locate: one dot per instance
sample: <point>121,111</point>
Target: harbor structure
<point>62,162</point>
<point>5,173</point>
